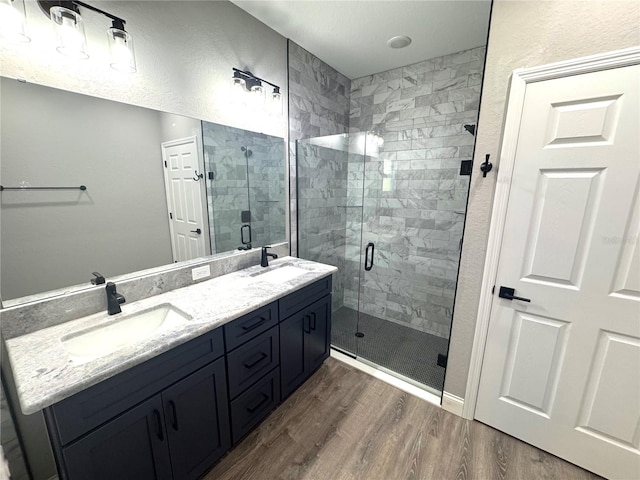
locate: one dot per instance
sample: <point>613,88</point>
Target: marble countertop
<point>45,373</point>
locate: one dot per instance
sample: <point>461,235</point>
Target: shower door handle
<point>242,237</point>
<point>368,260</point>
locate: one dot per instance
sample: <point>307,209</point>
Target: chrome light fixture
<point>69,26</point>
<point>250,89</point>
<point>12,22</point>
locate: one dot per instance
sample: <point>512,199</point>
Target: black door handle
<point>368,262</point>
<point>174,415</point>
<point>156,414</point>
<point>508,293</point>
<point>242,239</point>
<point>197,230</point>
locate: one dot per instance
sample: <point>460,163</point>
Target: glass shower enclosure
<point>393,227</point>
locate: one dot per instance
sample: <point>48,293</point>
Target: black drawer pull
<point>158,418</point>
<point>248,328</point>
<point>174,415</point>
<point>257,404</point>
<point>307,324</point>
<point>313,321</point>
<point>260,356</point>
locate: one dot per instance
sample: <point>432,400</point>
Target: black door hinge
<point>493,290</point>
<point>171,215</point>
<point>165,164</point>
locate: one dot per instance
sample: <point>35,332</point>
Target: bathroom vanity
<point>170,405</point>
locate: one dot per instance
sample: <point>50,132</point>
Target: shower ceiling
<point>351,36</point>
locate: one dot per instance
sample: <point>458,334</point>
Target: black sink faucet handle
<point>264,260</point>
<point>98,280</point>
<point>114,299</point>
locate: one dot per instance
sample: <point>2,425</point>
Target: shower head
<point>471,129</point>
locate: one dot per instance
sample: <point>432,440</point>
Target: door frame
<point>203,195</point>
<point>520,78</point>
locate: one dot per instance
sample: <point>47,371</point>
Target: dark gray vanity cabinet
<point>173,416</point>
<point>167,418</point>
<point>304,336</point>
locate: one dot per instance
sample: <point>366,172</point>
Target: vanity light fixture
<point>12,22</point>
<point>250,90</point>
<point>69,25</point>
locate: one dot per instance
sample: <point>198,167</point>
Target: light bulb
<point>121,50</point>
<point>12,23</point>
<point>258,96</point>
<point>275,103</point>
<point>70,29</point>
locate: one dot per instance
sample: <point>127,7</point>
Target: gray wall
<point>522,34</point>
<point>410,206</point>
<point>51,239</point>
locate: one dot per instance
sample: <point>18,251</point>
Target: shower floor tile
<point>404,350</point>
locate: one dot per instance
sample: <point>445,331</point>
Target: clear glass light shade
<point>258,96</point>
<point>12,23</point>
<point>69,28</point>
<point>121,50</point>
<point>275,103</point>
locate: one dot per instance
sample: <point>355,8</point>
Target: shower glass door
<point>402,321</point>
<point>392,226</point>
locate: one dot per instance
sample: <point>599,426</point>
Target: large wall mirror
<point>160,188</point>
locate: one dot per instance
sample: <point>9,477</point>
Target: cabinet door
<point>319,333</point>
<point>293,348</point>
<point>132,446</point>
<point>197,419</point>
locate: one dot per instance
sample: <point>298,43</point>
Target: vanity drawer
<point>248,363</point>
<point>250,326</point>
<point>304,297</point>
<point>92,407</point>
<point>253,405</point>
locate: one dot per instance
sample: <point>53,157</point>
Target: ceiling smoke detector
<point>399,42</point>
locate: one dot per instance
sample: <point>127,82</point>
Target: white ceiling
<point>351,35</point>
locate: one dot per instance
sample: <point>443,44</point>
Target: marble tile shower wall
<point>318,106</point>
<point>413,191</point>
<point>322,188</point>
<point>256,184</point>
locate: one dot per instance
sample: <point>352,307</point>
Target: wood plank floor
<point>343,424</point>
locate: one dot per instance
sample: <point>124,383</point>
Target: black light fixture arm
<point>117,21</point>
<point>250,76</point>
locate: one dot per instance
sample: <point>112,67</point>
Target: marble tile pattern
<point>45,374</point>
<point>322,207</point>
<point>53,308</point>
<point>318,106</point>
<point>413,191</point>
<point>256,183</point>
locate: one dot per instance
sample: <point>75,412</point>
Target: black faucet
<point>114,299</point>
<point>98,280</point>
<point>264,262</point>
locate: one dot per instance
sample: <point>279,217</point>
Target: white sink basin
<point>280,274</point>
<point>86,345</point>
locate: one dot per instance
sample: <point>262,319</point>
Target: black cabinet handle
<point>174,415</point>
<point>368,261</point>
<point>508,293</point>
<point>307,324</point>
<point>257,404</point>
<point>313,321</point>
<point>158,418</point>
<point>252,363</point>
<point>248,328</point>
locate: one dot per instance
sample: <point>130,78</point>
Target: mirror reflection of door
<point>183,181</point>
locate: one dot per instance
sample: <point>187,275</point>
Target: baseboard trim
<point>452,403</point>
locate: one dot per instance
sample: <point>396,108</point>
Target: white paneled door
<point>562,371</point>
<point>185,198</point>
